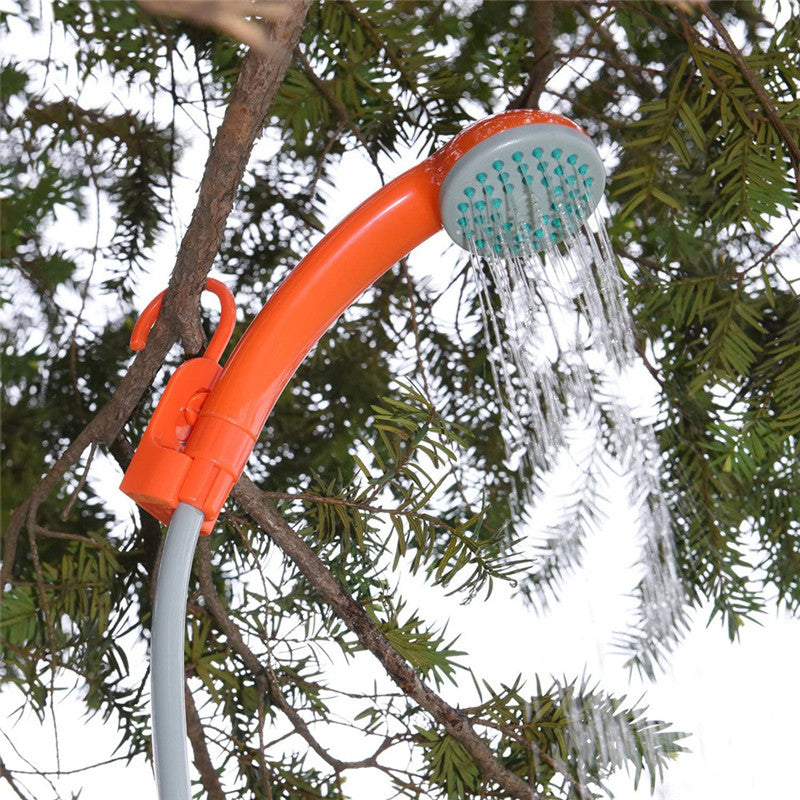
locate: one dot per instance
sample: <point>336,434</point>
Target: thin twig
<point>8,775</point>
<point>202,760</point>
<point>81,482</point>
<point>309,497</point>
<point>74,771</point>
<point>341,112</point>
<point>265,677</point>
<point>332,139</point>
<point>372,638</point>
<point>537,752</point>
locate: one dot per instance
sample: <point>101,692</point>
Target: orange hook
<point>156,473</point>
<point>222,335</point>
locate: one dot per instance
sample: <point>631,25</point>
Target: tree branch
<point>371,637</point>
<point>202,759</point>
<point>255,89</point>
<point>266,680</point>
<point>6,774</point>
<point>341,112</point>
<point>544,56</point>
<point>761,93</point>
<point>310,497</point>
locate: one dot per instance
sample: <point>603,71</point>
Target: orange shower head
<point>514,180</point>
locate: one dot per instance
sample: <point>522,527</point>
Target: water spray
<point>507,189</point>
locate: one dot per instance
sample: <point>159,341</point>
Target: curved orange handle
<point>222,335</point>
<point>238,398</point>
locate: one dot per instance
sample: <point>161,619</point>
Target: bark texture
<point>256,86</point>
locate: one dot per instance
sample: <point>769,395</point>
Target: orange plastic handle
<point>380,232</point>
<point>345,263</point>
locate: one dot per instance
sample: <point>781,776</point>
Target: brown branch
<point>202,759</point>
<point>555,764</point>
<point>9,777</point>
<point>344,115</point>
<point>544,56</point>
<point>761,93</point>
<point>310,497</point>
<point>255,89</point>
<point>75,771</point>
<point>266,680</point>
<point>81,482</point>
<point>263,772</point>
<point>371,637</point>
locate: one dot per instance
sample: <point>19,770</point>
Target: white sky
<point>741,702</point>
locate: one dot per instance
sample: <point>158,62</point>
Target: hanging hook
<point>227,320</point>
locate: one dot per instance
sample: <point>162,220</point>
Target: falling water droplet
<point>559,343</point>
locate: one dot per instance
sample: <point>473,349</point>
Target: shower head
<point>515,182</point>
<point>519,180</point>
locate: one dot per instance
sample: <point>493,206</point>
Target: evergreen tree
<point>387,447</point>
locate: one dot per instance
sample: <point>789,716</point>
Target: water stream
<point>561,342</point>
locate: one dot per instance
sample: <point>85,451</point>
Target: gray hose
<point>168,711</point>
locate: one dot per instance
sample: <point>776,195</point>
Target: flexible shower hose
<point>170,753</point>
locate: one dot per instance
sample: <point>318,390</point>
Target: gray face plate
<point>525,187</point>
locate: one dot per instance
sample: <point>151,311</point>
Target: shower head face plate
<point>525,187</point>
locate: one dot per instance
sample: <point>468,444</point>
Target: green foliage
<point>424,648</point>
<point>386,451</point>
<point>450,765</point>
<point>410,458</point>
<point>712,118</point>
<point>567,740</point>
